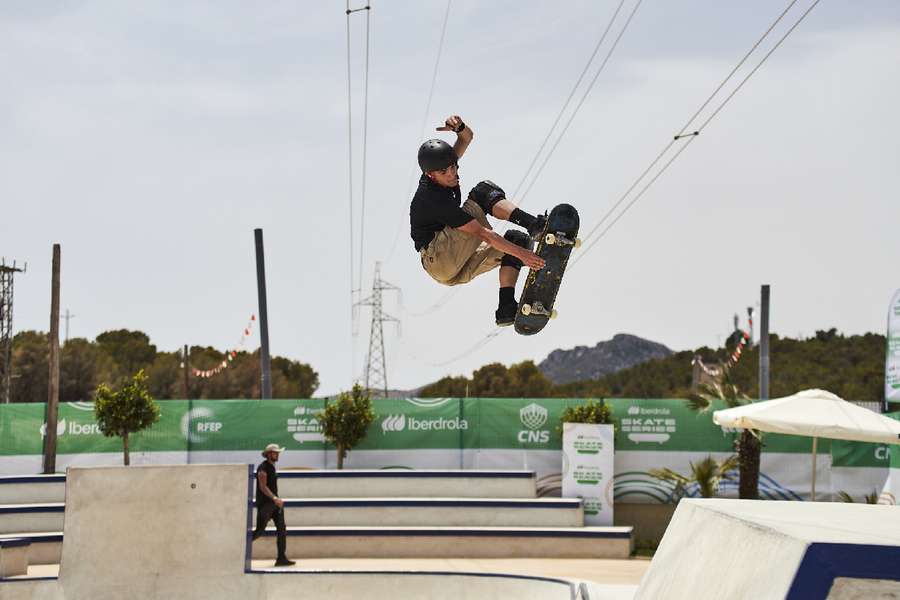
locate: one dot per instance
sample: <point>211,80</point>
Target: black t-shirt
<point>433,208</point>
<point>271,482</point>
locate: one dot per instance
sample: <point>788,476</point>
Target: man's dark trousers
<point>265,513</point>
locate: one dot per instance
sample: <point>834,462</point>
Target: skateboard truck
<point>561,240</point>
<point>538,309</point>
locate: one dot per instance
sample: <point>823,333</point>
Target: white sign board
<point>892,364</point>
<point>588,469</point>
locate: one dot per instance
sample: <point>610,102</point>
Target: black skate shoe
<point>535,231</point>
<point>506,313</point>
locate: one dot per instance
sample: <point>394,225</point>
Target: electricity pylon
<point>7,272</point>
<point>376,365</point>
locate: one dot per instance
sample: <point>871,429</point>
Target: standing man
<point>268,505</point>
<point>456,244</point>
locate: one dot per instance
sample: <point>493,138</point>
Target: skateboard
<point>555,243</point>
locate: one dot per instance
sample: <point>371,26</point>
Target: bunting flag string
<point>736,355</point>
<point>732,359</point>
<point>230,355</point>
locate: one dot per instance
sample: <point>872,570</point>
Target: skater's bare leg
<point>503,209</point>
<point>506,210</point>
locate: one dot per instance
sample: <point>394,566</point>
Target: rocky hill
<point>583,362</point>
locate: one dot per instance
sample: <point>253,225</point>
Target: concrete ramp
<point>156,523</point>
<point>738,549</point>
<point>181,532</point>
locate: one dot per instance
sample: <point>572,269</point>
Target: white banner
<point>588,469</point>
<point>892,363</point>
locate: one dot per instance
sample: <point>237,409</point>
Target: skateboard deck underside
<point>542,286</point>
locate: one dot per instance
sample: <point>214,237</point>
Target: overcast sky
<point>150,139</point>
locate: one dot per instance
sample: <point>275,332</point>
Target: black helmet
<point>436,155</point>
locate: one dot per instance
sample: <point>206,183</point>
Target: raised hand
<point>453,123</point>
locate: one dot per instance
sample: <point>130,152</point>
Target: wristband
<point>461,127</point>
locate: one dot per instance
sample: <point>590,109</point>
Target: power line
<point>350,153</point>
<point>354,290</point>
<point>684,128</point>
<point>737,66</point>
<point>565,105</point>
<point>696,133</point>
<point>635,199</point>
<point>475,347</point>
<point>438,303</point>
<point>519,201</point>
<point>362,218</point>
<point>413,170</point>
<point>683,147</point>
<point>580,102</point>
<point>437,63</point>
<point>756,68</point>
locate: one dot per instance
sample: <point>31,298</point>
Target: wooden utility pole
<point>764,344</point>
<point>53,387</point>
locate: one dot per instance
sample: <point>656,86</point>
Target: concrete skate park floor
<point>603,571</point>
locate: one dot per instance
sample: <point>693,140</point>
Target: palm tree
<point>749,445</point>
<point>868,498</point>
<point>706,474</point>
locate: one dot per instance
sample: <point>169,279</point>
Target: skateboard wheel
<point>553,314</point>
<point>526,309</point>
<point>550,239</point>
<point>578,242</point>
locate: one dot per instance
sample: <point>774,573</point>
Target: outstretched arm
<point>529,258</point>
<point>463,132</point>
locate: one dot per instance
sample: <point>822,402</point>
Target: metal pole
<point>764,344</point>
<point>53,386</point>
<point>263,316</point>
<point>814,470</point>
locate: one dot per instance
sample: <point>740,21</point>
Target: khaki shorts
<point>454,257</point>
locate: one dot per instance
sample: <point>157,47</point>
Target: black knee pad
<point>519,239</point>
<point>486,194</point>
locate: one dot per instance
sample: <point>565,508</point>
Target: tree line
<point>113,358</point>
<point>850,366</point>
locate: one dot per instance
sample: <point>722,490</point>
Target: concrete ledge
<point>418,584</point>
<point>31,489</point>
<point>434,512</point>
<point>43,549</point>
<point>311,584</point>
<point>31,518</point>
<point>13,557</point>
<point>450,542</point>
<point>771,549</point>
<point>406,484</point>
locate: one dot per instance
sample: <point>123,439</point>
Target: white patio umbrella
<point>815,414</point>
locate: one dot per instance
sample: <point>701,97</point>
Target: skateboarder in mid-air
<point>456,244</point>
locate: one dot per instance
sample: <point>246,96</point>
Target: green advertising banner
<point>423,423</point>
<point>482,433</point>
